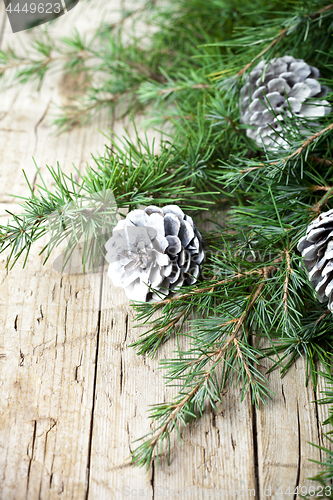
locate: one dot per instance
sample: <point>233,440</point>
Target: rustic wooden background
<point>73,395</point>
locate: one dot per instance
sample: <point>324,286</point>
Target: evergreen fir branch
<point>125,177</point>
<point>296,153</point>
<point>143,74</point>
<point>307,142</point>
<point>201,384</point>
<point>173,309</point>
<point>286,282</point>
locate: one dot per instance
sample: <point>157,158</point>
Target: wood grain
<point>74,395</point>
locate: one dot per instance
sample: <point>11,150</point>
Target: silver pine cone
<point>157,247</point>
<point>316,248</point>
<point>273,91</point>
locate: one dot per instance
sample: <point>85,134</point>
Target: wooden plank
<point>47,355</point>
<point>284,429</point>
<point>47,380</point>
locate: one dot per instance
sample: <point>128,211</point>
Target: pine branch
<point>308,142</point>
<point>182,409</point>
<point>286,283</point>
<point>209,288</point>
<point>318,206</point>
<point>240,355</point>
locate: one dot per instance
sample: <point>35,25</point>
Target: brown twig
<point>261,165</point>
<point>175,89</point>
<point>273,42</point>
<point>317,207</point>
<point>298,151</point>
<point>206,288</point>
<point>212,287</point>
<point>175,117</point>
<point>172,323</point>
<point>326,313</point>
<point>240,355</point>
<point>173,414</point>
<point>230,322</point>
<point>321,161</point>
<point>286,282</point>
<point>321,11</point>
<point>319,188</point>
<point>308,142</point>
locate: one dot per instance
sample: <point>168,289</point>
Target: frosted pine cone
<point>157,247</point>
<point>272,90</point>
<point>316,248</point>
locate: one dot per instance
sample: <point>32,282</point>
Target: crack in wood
<point>41,317</point>
<point>255,450</point>
<point>152,478</point>
<point>299,453</point>
<point>128,437</point>
<point>217,430</point>
<point>233,442</point>
<point>15,323</point>
<point>65,322</point>
<point>21,363</point>
<point>126,327</point>
<point>77,369</point>
<point>32,453</point>
<point>121,374</point>
<point>315,402</point>
<point>46,436</point>
<point>284,397</point>
<point>94,395</point>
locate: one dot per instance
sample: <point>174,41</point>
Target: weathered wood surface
<point>73,395</point>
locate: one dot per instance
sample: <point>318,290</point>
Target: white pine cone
<point>316,248</point>
<point>157,247</point>
<point>272,90</point>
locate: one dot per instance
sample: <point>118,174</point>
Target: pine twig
<point>171,324</point>
<point>240,355</point>
<point>286,283</point>
<point>317,207</point>
<point>280,35</point>
<point>308,142</point>
<point>320,188</point>
<point>321,161</point>
<point>210,288</point>
<point>175,89</point>
<point>326,313</point>
<point>298,151</point>
<point>219,354</point>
